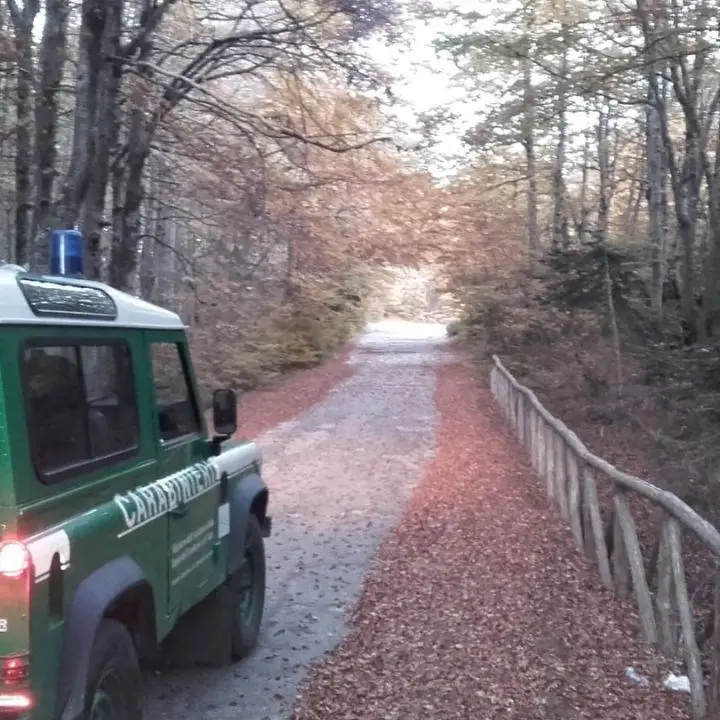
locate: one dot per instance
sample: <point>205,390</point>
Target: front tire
<point>113,687</point>
<point>248,586</point>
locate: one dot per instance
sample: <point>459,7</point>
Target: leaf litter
<point>479,605</point>
<point>263,409</point>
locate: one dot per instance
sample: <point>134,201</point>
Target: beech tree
<point>134,64</point>
<point>228,160</point>
<point>609,115</point>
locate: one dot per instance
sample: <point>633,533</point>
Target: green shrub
<point>244,351</point>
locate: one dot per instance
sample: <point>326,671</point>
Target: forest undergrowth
<point>253,344</point>
<point>647,402</point>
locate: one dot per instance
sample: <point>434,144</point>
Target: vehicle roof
<point>132,312</point>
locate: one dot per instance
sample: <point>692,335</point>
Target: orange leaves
<point>485,226</point>
<point>480,607</point>
<point>364,201</point>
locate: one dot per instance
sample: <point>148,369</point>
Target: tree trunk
<point>51,60</point>
<point>96,87</point>
<point>150,245</point>
<point>605,191</point>
<point>25,77</point>
<point>711,303</point>
<point>104,137</point>
<point>581,223</point>
<point>684,180</point>
<point>528,140</point>
<point>686,210</point>
<point>561,236</point>
<point>656,183</point>
<point>129,192</point>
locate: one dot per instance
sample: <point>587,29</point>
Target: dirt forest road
<point>340,475</point>
<point>416,565</point>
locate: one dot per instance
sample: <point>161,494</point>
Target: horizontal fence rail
<point>607,532</point>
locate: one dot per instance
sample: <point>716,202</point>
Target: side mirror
<point>225,412</point>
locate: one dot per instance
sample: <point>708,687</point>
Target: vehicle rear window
<point>176,411</point>
<point>81,406</point>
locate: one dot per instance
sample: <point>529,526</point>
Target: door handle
<point>179,511</point>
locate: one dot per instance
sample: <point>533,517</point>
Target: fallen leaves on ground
<point>261,410</point>
<point>479,606</point>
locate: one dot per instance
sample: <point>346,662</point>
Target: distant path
<point>340,475</point>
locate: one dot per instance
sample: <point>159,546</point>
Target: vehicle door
<point>192,490</point>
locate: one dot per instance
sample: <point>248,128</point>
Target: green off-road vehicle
<point>127,532</point>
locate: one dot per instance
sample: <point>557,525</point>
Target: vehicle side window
<point>177,414</point>
<point>81,406</point>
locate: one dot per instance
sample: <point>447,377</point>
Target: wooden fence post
<point>532,438</point>
<point>550,460</point>
<point>664,597</point>
<point>561,476</point>
<point>619,559</point>
<point>574,497</point>
<point>542,456</point>
<point>597,530</point>
<point>693,659</point>
<point>715,647</point>
<point>636,566</point>
<point>569,471</point>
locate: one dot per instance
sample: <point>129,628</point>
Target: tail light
<point>14,559</point>
<point>15,701</point>
<point>15,563</point>
<point>15,669</point>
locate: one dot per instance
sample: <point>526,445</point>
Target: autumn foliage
<point>298,233</point>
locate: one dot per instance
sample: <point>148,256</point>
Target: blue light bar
<point>67,253</point>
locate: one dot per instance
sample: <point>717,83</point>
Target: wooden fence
<point>656,579</point>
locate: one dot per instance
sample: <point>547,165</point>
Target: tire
<point>113,686</point>
<point>248,586</point>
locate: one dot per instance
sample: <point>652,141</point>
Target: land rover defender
<point>127,531</point>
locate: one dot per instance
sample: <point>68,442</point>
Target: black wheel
<point>248,586</point>
<point>113,689</point>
